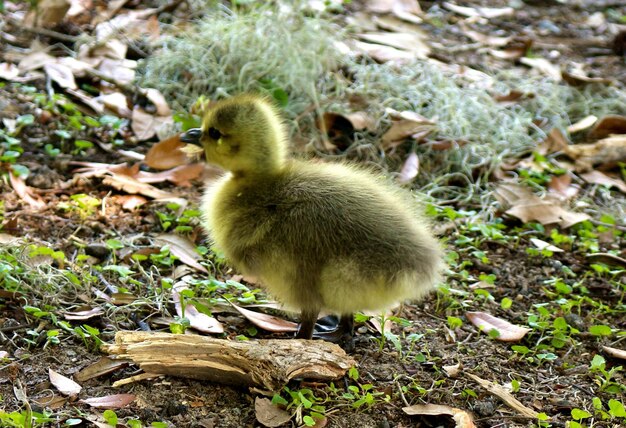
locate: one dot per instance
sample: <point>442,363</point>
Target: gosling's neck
<point>269,160</point>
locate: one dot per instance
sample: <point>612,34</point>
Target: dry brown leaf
<point>26,193</point>
<point>146,125</point>
<point>504,395</point>
<point>158,100</point>
<point>608,125</point>
<point>198,320</point>
<point>34,60</point>
<point>607,152</point>
<point>269,414</point>
<point>512,96</point>
<point>486,39</point>
<point>130,185</point>
<point>405,124</point>
<point>409,169</point>
<point>582,124</point>
<point>507,332</point>
<point>84,314</point>
<point>266,322</point>
<point>614,352</point>
<point>130,202</point>
<point>394,6</point>
<point>410,42</point>
<point>116,401</point>
<point>462,418</point>
<point>543,245</point>
<point>562,186</point>
<point>8,71</point>
<point>86,99</point>
<point>606,258</point>
<point>65,385</point>
<point>581,80</point>
<point>121,299</point>
<point>484,12</point>
<point>597,177</point>
<point>116,102</point>
<point>48,13</point>
<point>554,142</point>
<point>61,74</point>
<point>182,248</point>
<point>120,70</point>
<point>384,54</point>
<point>543,66</point>
<point>52,402</point>
<point>103,366</point>
<point>166,154</point>
<point>181,175</point>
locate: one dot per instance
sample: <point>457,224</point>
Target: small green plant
<point>605,379</point>
<point>307,407</point>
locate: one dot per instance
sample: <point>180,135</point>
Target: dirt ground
<point>553,386</point>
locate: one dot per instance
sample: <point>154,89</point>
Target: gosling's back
<point>324,236</point>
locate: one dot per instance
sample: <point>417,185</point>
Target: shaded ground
<point>490,262</point>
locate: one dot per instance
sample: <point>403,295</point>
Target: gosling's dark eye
<point>214,134</point>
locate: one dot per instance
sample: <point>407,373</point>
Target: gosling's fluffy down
<point>319,236</point>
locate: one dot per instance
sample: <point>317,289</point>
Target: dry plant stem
<point>267,364</point>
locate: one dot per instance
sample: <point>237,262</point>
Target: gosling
<point>320,237</point>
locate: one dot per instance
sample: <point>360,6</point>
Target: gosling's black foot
<point>336,330</point>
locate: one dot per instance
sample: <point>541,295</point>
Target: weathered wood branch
<point>267,364</point>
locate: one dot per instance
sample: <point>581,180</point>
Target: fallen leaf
<point>388,6</point>
<point>403,125</point>
<point>130,202</point>
<point>116,102</point>
<point>269,414</point>
<point>60,74</point>
<point>66,386</point>
<point>26,193</point>
<point>608,125</point>
<point>146,125</point>
<point>507,332</point>
<point>505,396</point>
<point>543,66</point>
<point>382,54</point>
<point>119,70</point>
<point>597,177</point>
<point>543,245</point>
<point>267,322</point>
<point>83,315</point>
<point>34,61</point>
<point>166,154</point>
<point>104,366</point>
<point>486,39</point>
<point>116,401</point>
<point>198,320</point>
<point>409,169</point>
<point>519,201</point>
<point>410,42</point>
<point>581,80</point>
<point>158,100</point>
<point>48,13</point>
<point>131,185</point>
<point>582,124</point>
<point>453,370</point>
<point>181,175</point>
<point>607,152</point>
<point>8,71</point>
<point>614,352</point>
<point>121,299</point>
<point>182,248</point>
<point>606,258</point>
<point>462,418</point>
<point>562,186</point>
<point>485,12</point>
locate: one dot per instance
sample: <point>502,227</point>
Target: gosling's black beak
<point>192,136</point>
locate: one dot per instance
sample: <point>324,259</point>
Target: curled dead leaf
<point>608,125</point>
<point>607,152</point>
<point>598,177</point>
<point>462,418</point>
<point>409,169</point>
<point>183,249</point>
<point>507,332</point>
<point>116,401</point>
<point>65,385</point>
<point>198,320</point>
<point>269,414</point>
<point>166,154</point>
<point>266,322</point>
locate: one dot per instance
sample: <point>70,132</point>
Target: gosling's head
<point>243,134</point>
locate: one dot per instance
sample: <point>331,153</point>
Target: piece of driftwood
<point>267,364</point>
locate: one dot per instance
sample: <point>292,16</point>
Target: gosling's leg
<point>307,324</point>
